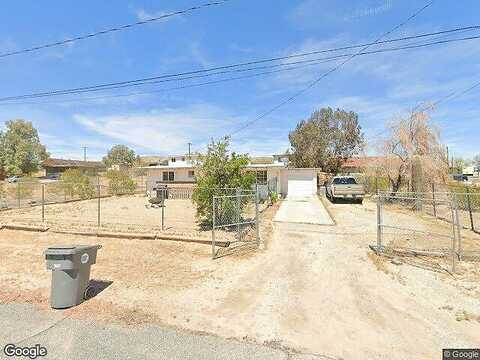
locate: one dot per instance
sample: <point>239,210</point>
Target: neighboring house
<point>58,166</point>
<point>271,175</point>
<point>360,164</point>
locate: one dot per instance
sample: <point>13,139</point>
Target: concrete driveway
<point>303,210</point>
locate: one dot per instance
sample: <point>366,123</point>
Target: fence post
<point>434,204</point>
<point>43,203</point>
<point>469,204</point>
<point>98,205</point>
<point>18,194</point>
<point>459,235</point>
<point>454,238</point>
<point>257,219</point>
<point>213,227</point>
<point>379,224</point>
<point>163,217</point>
<point>238,211</point>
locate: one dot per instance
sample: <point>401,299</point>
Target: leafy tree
<point>120,155</point>
<point>120,183</point>
<point>459,163</point>
<point>20,149</point>
<point>326,139</point>
<point>215,171</point>
<point>75,182</point>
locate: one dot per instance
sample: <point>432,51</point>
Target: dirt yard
<point>129,213</point>
<point>120,213</point>
<point>314,289</point>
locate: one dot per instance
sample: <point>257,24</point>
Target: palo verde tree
<point>120,182</point>
<point>76,183</point>
<point>20,149</point>
<point>216,170</point>
<point>120,155</point>
<point>326,139</point>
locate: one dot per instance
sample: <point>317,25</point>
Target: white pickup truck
<point>344,187</point>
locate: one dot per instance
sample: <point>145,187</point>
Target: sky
<point>159,120</point>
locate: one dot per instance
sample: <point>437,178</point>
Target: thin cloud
<point>319,13</point>
<point>163,131</point>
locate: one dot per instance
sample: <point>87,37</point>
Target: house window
<point>168,176</point>
<point>261,177</point>
<point>183,159</point>
<point>191,173</point>
<point>173,159</point>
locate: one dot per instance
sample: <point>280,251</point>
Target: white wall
<point>154,175</point>
<point>309,175</point>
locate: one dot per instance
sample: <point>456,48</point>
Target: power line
<point>110,30</point>
<point>324,75</point>
<point>209,72</point>
<point>288,67</point>
<point>449,96</point>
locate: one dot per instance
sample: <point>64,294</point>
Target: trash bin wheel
<point>89,292</point>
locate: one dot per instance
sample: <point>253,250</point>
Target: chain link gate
<point>422,236</point>
<point>235,221</point>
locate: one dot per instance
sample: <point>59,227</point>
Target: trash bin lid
<point>69,249</point>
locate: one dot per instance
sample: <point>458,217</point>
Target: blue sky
<point>377,87</point>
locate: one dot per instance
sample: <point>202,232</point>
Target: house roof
<point>72,163</point>
<point>261,160</point>
<point>361,162</point>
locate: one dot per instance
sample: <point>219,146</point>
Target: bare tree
<point>412,153</point>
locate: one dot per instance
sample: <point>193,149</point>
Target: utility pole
<point>189,151</point>
<point>84,153</point>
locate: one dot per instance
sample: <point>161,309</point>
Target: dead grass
<point>464,315</point>
<point>379,262</point>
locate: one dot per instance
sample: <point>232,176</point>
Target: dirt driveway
<point>315,289</point>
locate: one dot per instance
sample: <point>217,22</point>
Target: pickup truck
<point>344,187</point>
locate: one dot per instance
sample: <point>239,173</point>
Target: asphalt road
<point>66,338</point>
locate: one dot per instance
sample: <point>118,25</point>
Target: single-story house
<point>271,175</point>
<point>58,166</point>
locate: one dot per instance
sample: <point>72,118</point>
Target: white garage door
<point>302,183</point>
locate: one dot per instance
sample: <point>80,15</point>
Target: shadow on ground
<point>97,286</point>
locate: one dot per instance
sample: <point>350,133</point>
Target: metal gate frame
<point>236,220</point>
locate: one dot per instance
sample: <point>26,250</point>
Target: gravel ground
<point>315,289</point>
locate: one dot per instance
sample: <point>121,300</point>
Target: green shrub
<point>76,183</point>
<point>120,183</point>
<point>21,189</point>
<point>220,169</point>
<point>273,197</point>
<point>371,183</point>
<point>462,196</point>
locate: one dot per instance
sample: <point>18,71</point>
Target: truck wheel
<point>89,292</point>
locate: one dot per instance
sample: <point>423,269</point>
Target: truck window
<point>344,181</point>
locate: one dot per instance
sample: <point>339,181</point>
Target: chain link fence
<point>235,221</point>
<point>87,207</point>
<point>427,224</point>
